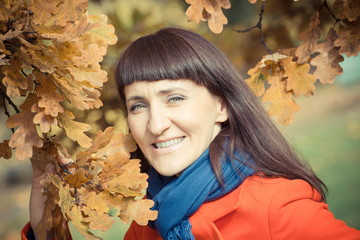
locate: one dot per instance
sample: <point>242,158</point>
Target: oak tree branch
<point>258,26</point>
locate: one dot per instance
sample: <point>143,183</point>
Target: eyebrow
<point>161,92</point>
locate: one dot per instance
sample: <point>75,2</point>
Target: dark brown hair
<point>173,53</point>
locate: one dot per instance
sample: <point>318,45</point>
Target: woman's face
<point>173,121</point>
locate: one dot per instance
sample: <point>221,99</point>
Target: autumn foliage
<point>50,52</point>
<point>282,76</point>
<point>50,55</point>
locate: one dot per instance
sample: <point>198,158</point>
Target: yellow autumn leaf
<point>94,201</point>
<point>101,140</point>
<point>75,130</point>
<point>26,136</point>
<point>194,11</point>
<point>99,31</point>
<point>49,98</point>
<point>257,79</point>
<point>210,11</point>
<point>281,103</point>
<point>139,210</point>
<point>98,221</point>
<point>298,78</point>
<point>82,227</point>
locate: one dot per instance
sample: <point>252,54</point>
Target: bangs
<point>163,55</point>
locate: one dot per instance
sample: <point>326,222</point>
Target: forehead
<point>160,87</point>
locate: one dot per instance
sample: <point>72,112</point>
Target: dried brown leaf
<point>349,38</point>
<point>5,150</point>
<point>309,37</point>
<point>347,9</point>
<point>327,61</point>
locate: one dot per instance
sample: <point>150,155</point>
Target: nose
<point>158,122</point>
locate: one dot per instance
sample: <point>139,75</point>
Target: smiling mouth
<point>168,143</point>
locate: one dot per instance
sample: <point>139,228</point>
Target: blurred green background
<point>326,131</point>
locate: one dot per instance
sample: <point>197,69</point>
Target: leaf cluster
<point>50,54</point>
<point>103,183</point>
<point>282,76</point>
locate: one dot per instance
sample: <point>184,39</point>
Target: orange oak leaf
<point>194,11</point>
<point>257,79</point>
<point>118,143</point>
<point>92,55</point>
<point>327,61</point>
<point>349,38</point>
<point>91,78</point>
<point>126,179</point>
<point>309,37</point>
<point>208,10</point>
<point>281,103</point>
<point>72,90</point>
<point>140,211</point>
<point>44,121</point>
<point>70,11</point>
<point>100,32</point>
<point>97,202</point>
<point>74,130</point>
<point>77,219</point>
<point>99,221</point>
<point>5,150</point>
<point>43,10</point>
<point>49,98</point>
<point>347,9</point>
<point>26,136</point>
<point>102,139</point>
<point>298,79</point>
<point>70,31</point>
<point>15,81</point>
<point>260,73</point>
<point>77,179</point>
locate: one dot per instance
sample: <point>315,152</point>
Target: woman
<point>218,167</point>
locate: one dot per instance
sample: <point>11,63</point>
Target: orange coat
<point>264,209</point>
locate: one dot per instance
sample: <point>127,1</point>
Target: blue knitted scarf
<point>177,198</point>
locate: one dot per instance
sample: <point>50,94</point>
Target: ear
<point>222,111</point>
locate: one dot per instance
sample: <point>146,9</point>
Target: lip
<point>167,149</point>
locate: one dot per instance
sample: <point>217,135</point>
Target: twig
<point>9,100</point>
<point>6,111</point>
<point>258,26</point>
<point>325,4</point>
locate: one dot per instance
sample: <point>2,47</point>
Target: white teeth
<point>169,143</point>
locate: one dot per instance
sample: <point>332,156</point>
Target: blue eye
<point>174,99</point>
<point>136,107</point>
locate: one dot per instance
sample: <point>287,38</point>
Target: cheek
<point>135,129</point>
